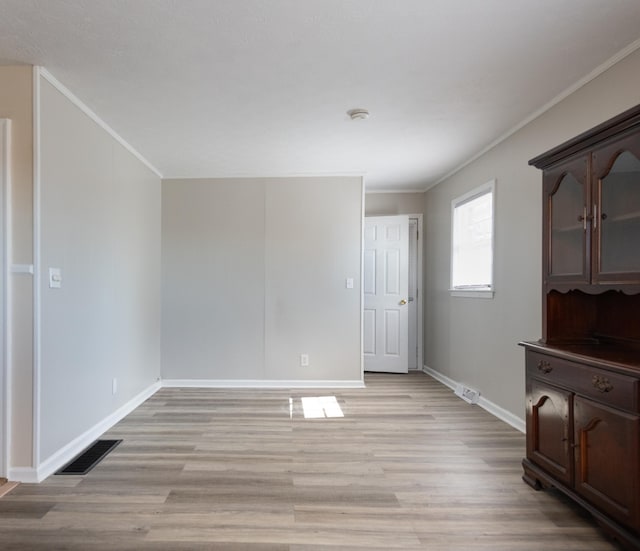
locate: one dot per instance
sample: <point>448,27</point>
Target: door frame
<point>420,293</point>
<point>5,174</point>
<point>420,285</point>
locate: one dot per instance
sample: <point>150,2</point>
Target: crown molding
<point>546,107</point>
<point>44,73</point>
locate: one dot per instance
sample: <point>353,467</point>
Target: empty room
<point>320,275</point>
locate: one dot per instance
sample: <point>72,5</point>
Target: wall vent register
<point>90,457</point>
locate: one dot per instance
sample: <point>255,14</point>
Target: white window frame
<point>475,292</point>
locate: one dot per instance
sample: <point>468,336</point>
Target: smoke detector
<point>358,114</point>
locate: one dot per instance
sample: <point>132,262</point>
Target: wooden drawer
<point>607,387</point>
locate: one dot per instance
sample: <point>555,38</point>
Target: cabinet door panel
<point>548,422</point>
<point>606,455</point>
<point>567,240</point>
<point>616,212</point>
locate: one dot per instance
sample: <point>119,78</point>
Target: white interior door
<point>386,278</point>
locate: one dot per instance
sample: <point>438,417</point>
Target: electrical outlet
<point>304,360</point>
<point>114,386</point>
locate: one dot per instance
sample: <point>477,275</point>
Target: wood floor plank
<point>409,466</point>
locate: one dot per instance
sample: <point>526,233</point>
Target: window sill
<point>472,293</point>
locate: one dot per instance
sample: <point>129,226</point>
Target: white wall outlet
<point>349,283</point>
<point>114,386</point>
<point>304,360</point>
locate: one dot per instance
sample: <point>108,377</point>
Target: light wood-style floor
<point>409,466</point>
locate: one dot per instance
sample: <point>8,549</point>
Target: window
<point>472,242</point>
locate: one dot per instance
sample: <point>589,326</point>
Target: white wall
<point>100,224</point>
<point>474,341</point>
<point>390,204</point>
<point>313,230</point>
<point>254,275</point>
<point>213,279</point>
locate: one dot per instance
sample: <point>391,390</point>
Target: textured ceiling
<point>219,88</point>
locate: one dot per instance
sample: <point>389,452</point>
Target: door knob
<point>403,302</point>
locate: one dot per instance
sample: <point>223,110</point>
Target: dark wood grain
<point>583,377</point>
<point>625,123</point>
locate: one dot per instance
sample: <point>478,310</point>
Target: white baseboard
<point>440,377</point>
<point>28,475</point>
<point>494,409</point>
<point>258,383</point>
<point>73,448</point>
<point>503,414</point>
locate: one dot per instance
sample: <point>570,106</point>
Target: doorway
<point>415,292</point>
<point>392,285</point>
<point>5,127</point>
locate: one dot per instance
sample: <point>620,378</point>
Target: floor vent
<point>90,457</point>
<point>467,394</point>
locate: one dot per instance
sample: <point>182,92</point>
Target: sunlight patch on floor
<point>320,407</point>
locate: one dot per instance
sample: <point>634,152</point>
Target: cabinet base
<point>539,480</point>
<point>532,481</point>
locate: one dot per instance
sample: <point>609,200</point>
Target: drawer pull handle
<point>545,366</point>
<point>601,383</point>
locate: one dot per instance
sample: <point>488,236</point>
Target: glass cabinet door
<point>567,257</point>
<point>616,217</point>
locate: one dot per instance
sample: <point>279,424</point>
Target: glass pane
<point>472,242</point>
<point>620,216</point>
<point>567,232</point>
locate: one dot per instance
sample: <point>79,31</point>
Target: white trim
<point>489,186</point>
<point>419,285</point>
<point>77,445</point>
<point>441,378</point>
<point>493,408</point>
<point>546,107</point>
<point>8,252</point>
<point>5,175</point>
<point>261,176</point>
<point>258,383</point>
<point>484,189</point>
<point>21,269</point>
<point>502,414</point>
<point>362,222</point>
<point>37,307</point>
<point>28,475</point>
<point>472,293</point>
<point>95,118</point>
<point>387,191</point>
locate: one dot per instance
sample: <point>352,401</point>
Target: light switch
<point>349,283</point>
<point>55,278</point>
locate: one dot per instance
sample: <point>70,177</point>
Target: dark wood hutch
<point>583,376</point>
